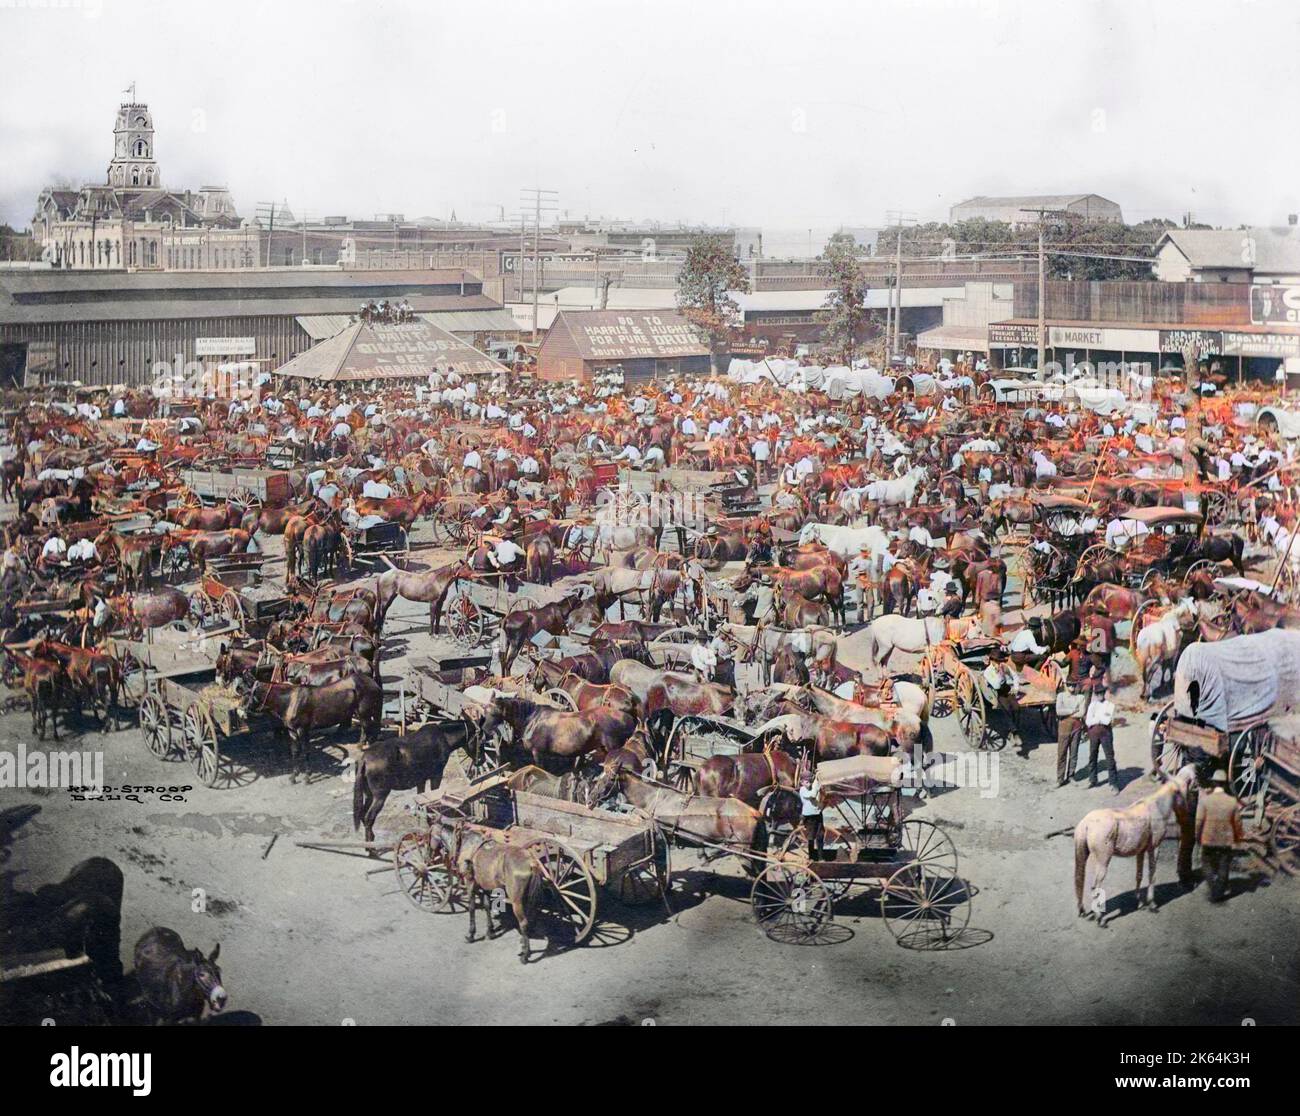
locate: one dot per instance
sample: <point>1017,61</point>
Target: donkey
<point>177,983</point>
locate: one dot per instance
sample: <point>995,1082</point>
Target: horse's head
<point>207,978</point>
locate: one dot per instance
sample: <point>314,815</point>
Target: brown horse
<point>541,731</point>
<point>399,510</point>
<point>426,587</point>
<point>519,625</point>
<point>300,709</point>
<point>747,775</point>
<point>486,865</point>
<point>90,673</point>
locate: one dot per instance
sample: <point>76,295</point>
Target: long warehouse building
<point>105,328</point>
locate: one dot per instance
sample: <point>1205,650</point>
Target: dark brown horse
<point>300,709</point>
<point>519,625</point>
<point>548,733</point>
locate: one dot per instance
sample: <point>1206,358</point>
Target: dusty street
<point>317,937</point>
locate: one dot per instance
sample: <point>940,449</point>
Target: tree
<point>708,274</point>
<point>844,312</point>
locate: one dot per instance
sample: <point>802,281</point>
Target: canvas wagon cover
<point>1241,681</point>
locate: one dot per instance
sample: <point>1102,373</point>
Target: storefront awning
<point>954,337</point>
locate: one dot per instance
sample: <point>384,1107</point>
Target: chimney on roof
<point>1292,218</point>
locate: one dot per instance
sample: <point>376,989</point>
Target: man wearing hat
<point>863,573</point>
<point>951,607</point>
<point>1077,663</point>
<point>1218,829</point>
<point>1097,722</point>
<point>1003,681</point>
<point>1071,705</point>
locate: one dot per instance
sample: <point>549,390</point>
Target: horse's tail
<point>1080,863</point>
<point>760,840</point>
<point>360,787</point>
<point>532,892</point>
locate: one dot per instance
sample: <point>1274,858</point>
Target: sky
<point>772,114</point>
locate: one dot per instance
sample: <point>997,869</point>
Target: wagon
<point>476,604</point>
<point>1226,697</point>
<point>237,593</point>
<point>579,851</point>
<point>183,716</point>
<point>953,675</point>
<point>908,865</point>
<point>248,488</point>
<point>364,546</point>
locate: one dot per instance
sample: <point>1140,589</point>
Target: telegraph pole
<point>267,210</point>
<point>541,199</point>
<point>1042,280</point>
<point>897,219</point>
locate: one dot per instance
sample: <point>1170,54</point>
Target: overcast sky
<point>754,112</point>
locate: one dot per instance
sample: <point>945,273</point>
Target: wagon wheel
<point>487,753</point>
<point>1287,582</point>
<point>940,703</point>
<point>1215,505</point>
<point>232,608</point>
<point>651,879</point>
<point>562,699</point>
<point>1199,565</point>
<point>202,745</point>
<point>244,498</point>
<point>790,903</point>
<point>176,562</point>
<point>200,609</point>
<point>569,894</point>
<point>1092,553</point>
<point>453,527</point>
<point>465,622</point>
<point>189,498</point>
<point>426,877</point>
<point>972,717</point>
<point>156,725</point>
<point>924,843</point>
<point>1284,840</point>
<point>925,905</point>
<point>1172,755</point>
<point>1245,759</point>
<point>1152,574</point>
<point>399,489</point>
<point>1028,583</point>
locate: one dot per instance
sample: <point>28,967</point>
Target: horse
<point>1157,645</point>
<point>891,632</point>
<point>303,708</point>
<point>484,864</point>
<point>411,762</point>
<point>564,735</point>
<point>519,625</point>
<point>177,983</point>
<point>427,587</point>
<point>90,673</point>
<point>1136,830</point>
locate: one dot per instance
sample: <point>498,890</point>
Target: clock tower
<point>134,166</point>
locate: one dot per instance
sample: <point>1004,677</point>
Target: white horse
<point>845,541</point>
<point>1157,645</point>
<point>913,634</point>
<point>901,490</point>
<point>1134,831</point>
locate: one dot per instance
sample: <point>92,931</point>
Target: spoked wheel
<point>1288,583</point>
<point>156,726</point>
<point>488,757</point>
<point>202,746</point>
<point>1172,755</point>
<point>425,876</point>
<point>940,702</point>
<point>569,895</point>
<point>925,905</point>
<point>650,879</point>
<point>245,499</point>
<point>790,903</point>
<point>1215,505</point>
<point>189,498</point>
<point>972,717</point>
<point>562,699</point>
<point>176,563</point>
<point>1245,761</point>
<point>232,608</point>
<point>1284,840</point>
<point>465,622</point>
<point>200,609</point>
<point>924,843</point>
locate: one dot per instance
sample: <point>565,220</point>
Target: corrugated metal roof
<point>497,320</point>
<point>321,326</point>
<point>1275,250</point>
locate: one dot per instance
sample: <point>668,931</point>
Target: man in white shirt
<point>1121,533</point>
<point>473,460</point>
<point>376,490</point>
<point>688,427</point>
<point>1097,722</point>
<point>703,658</point>
<point>762,450</point>
<point>630,454</point>
<point>528,465</point>
<point>506,554</point>
<point>1023,643</point>
<point>53,551</point>
<point>81,551</point>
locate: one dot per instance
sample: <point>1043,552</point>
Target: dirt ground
<point>314,937</point>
